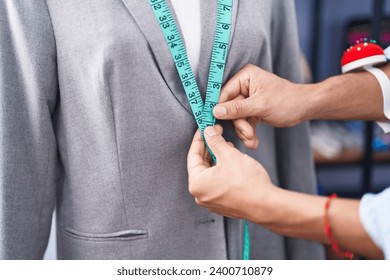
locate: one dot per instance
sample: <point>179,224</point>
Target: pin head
<point>364,54</point>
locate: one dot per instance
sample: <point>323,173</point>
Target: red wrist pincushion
<point>362,55</point>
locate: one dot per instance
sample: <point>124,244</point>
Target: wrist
<point>293,214</point>
<point>310,100</point>
<point>268,211</point>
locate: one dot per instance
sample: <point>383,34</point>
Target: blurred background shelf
<point>351,157</point>
<point>327,28</point>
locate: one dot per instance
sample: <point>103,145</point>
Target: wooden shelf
<point>350,157</point>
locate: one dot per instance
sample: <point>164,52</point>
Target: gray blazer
<point>94,120</point>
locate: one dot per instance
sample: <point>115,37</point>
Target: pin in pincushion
<point>364,54</point>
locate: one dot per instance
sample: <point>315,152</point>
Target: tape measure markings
<point>179,55</point>
<point>202,111</point>
<point>218,60</point>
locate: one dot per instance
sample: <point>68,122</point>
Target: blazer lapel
<point>144,17</point>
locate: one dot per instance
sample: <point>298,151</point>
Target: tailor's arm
<point>350,96</point>
<point>238,186</point>
<point>255,95</point>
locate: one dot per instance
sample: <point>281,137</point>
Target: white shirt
<point>374,212</point>
<point>188,15</point>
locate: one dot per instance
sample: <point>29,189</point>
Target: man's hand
<point>234,186</point>
<point>254,95</point>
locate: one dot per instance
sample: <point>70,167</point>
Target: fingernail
<point>219,111</point>
<point>210,131</point>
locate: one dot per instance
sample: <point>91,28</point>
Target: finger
<point>198,202</point>
<point>207,155</point>
<point>243,125</point>
<point>230,144</point>
<point>245,128</point>
<point>236,109</point>
<point>196,161</point>
<point>252,144</point>
<point>253,121</point>
<point>240,135</point>
<point>238,84</point>
<point>216,142</point>
<point>250,139</point>
<point>219,128</point>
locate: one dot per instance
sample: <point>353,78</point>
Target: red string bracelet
<point>328,231</point>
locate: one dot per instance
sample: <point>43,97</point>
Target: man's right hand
<point>255,95</point>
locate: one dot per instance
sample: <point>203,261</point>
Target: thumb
<point>216,142</point>
<point>236,109</point>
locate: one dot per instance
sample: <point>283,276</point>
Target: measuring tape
<point>203,112</point>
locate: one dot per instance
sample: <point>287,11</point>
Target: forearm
<point>345,97</point>
<point>302,216</point>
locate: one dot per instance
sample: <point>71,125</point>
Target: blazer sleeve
<point>28,96</point>
<point>295,161</point>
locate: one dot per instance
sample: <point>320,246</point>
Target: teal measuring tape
<point>203,112</point>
